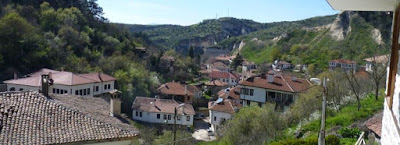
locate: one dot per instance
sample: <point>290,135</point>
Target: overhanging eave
<point>363,5</point>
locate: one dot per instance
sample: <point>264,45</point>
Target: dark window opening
<point>158,116</point>
<point>140,114</point>
<point>188,118</point>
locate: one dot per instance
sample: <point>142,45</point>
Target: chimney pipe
<point>270,78</point>
<point>15,76</point>
<point>45,85</point>
<point>185,89</point>
<point>115,104</point>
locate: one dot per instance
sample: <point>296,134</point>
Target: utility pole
<point>175,126</point>
<point>321,137</point>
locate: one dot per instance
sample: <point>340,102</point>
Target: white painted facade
<point>390,121</point>
<point>259,95</point>
<point>231,81</point>
<point>87,90</point>
<point>163,118</point>
<point>217,117</point>
<point>14,87</point>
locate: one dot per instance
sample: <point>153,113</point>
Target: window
<point>109,86</point>
<point>158,116</point>
<point>80,92</point>
<point>54,91</point>
<point>58,91</point>
<point>178,117</point>
<point>223,80</point>
<point>97,88</point>
<point>61,91</point>
<point>169,117</point>
<point>105,87</point>
<point>76,92</point>
<point>84,92</point>
<point>188,118</point>
<point>21,89</point>
<point>165,117</point>
<point>88,91</point>
<point>137,113</point>
<point>12,89</point>
<point>140,114</point>
<point>215,118</point>
<point>251,92</point>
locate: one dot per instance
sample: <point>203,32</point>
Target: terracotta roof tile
<point>217,83</point>
<point>280,83</point>
<point>176,88</point>
<point>219,74</point>
<point>60,77</point>
<point>227,106</point>
<point>375,123</point>
<point>233,93</point>
<point>343,61</point>
<point>147,104</point>
<point>30,118</point>
<point>378,59</point>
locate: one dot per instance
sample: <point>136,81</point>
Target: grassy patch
<point>349,114</point>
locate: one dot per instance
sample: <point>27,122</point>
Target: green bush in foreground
<point>329,140</point>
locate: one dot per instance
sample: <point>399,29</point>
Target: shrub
<point>349,133</point>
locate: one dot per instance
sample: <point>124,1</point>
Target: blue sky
<point>187,12</point>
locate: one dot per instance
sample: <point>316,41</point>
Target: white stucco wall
<point>219,116</point>
<point>390,133</point>
<point>151,117</point>
<point>258,96</point>
<point>70,89</point>
<point>229,81</point>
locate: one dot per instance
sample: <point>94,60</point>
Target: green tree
<point>191,52</point>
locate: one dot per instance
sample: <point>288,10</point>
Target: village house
<point>219,66</point>
<point>346,65</point>
<point>248,66</point>
<point>220,111</point>
<point>162,111</point>
<point>63,82</point>
<point>382,60</point>
<point>226,77</point>
<point>179,92</point>
<point>29,117</point>
<point>279,89</point>
<point>141,52</point>
<point>167,63</point>
<point>226,59</point>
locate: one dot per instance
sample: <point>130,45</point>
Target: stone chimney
<point>15,76</point>
<point>185,89</point>
<point>115,103</point>
<point>45,85</point>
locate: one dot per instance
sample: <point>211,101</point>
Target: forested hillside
<point>312,41</point>
<point>73,36</point>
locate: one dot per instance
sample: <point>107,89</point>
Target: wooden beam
<point>394,57</point>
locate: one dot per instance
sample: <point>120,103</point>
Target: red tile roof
<point>31,118</point>
<point>147,104</point>
<point>95,76</point>
<point>378,59</point>
<point>280,83</point>
<point>176,88</point>
<point>343,61</point>
<point>233,93</point>
<point>60,77</point>
<point>227,106</point>
<point>216,83</point>
<point>375,123</point>
<point>218,74</point>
